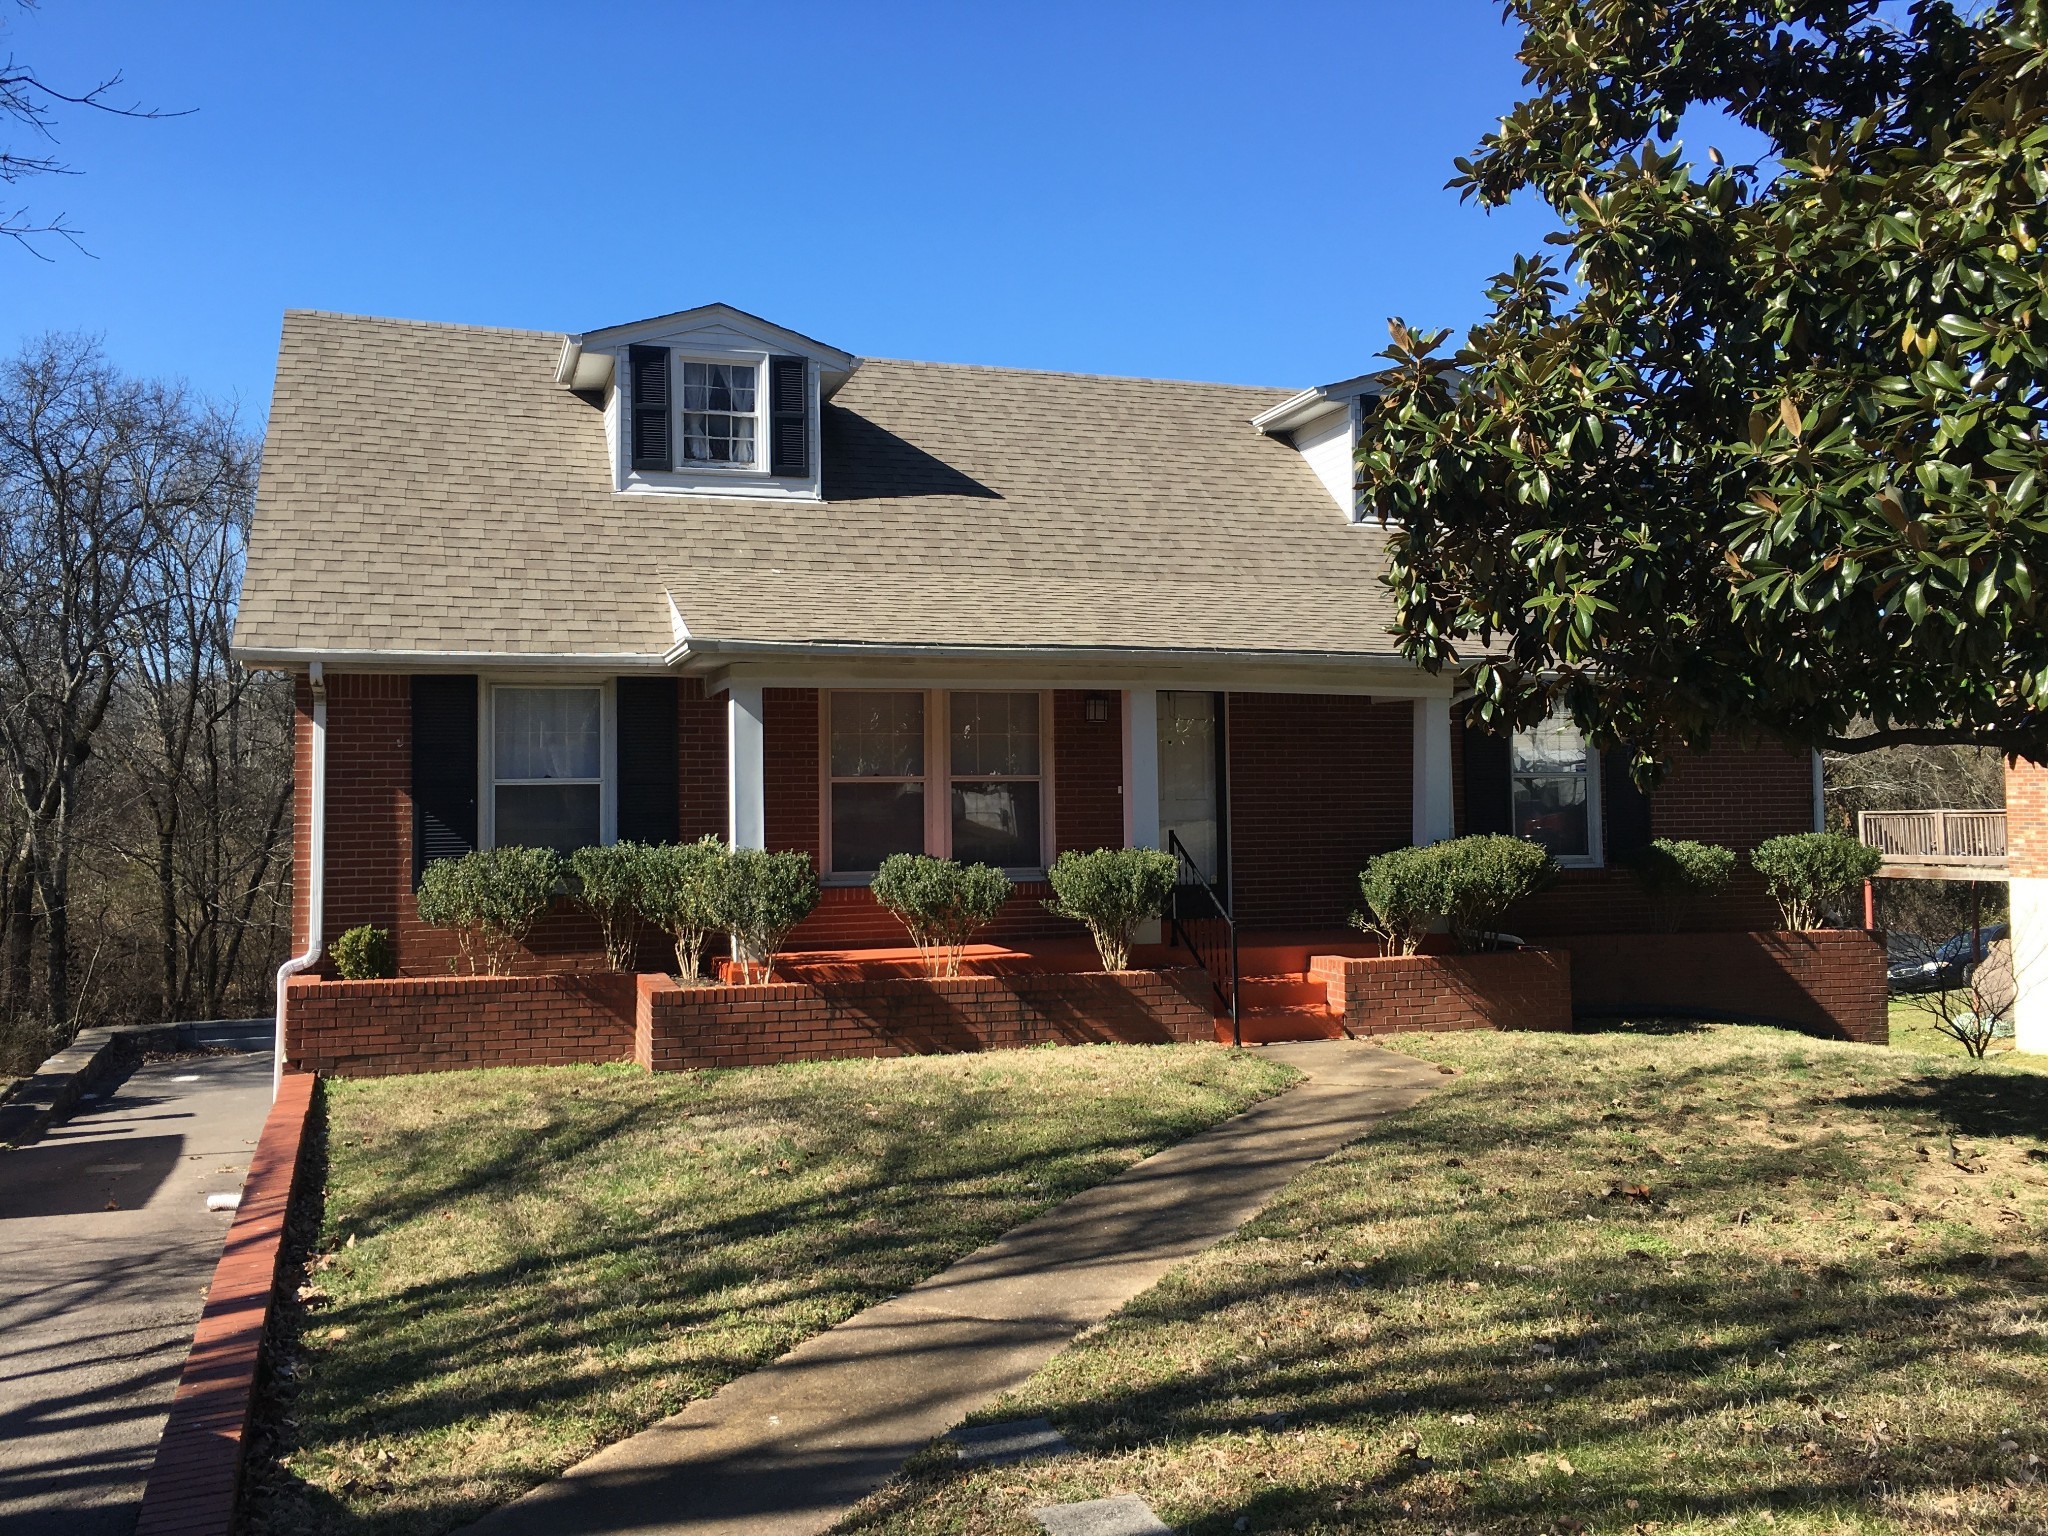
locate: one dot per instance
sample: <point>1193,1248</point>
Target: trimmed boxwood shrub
<point>608,888</point>
<point>942,903</point>
<point>761,896</point>
<point>491,898</point>
<point>1676,875</point>
<point>1112,890</point>
<point>1808,872</point>
<point>1482,877</point>
<point>680,888</point>
<point>1403,896</point>
<point>364,954</point>
<point>1470,882</point>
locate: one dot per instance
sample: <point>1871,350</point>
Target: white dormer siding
<point>1321,425</point>
<point>710,402</point>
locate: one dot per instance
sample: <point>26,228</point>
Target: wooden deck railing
<point>1935,837</point>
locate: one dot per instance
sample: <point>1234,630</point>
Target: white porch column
<point>1141,768</point>
<point>1432,792</point>
<point>746,822</point>
<point>2029,933</point>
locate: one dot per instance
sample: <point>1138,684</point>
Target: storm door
<point>1191,783</point>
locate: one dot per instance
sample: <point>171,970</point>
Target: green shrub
<point>492,899</point>
<point>1676,874</point>
<point>608,888</point>
<point>1808,872</point>
<point>680,887</point>
<point>1480,878</point>
<point>1112,890</point>
<point>942,903</point>
<point>761,896</point>
<point>1403,893</point>
<point>364,954</point>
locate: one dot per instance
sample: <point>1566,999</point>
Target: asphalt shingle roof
<point>430,488</point>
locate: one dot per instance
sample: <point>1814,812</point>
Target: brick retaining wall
<point>197,1475</point>
<point>1379,994</point>
<point>682,1027</point>
<point>446,1023</point>
<point>1832,981</point>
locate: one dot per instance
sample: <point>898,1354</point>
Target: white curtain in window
<point>547,733</point>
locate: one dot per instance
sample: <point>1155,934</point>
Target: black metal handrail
<point>1200,919</point>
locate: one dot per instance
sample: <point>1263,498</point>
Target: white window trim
<point>608,754</point>
<point>1596,856</point>
<point>938,779</point>
<point>758,361</point>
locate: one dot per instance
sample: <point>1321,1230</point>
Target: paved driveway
<point>106,1249</point>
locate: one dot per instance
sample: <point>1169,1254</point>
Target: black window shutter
<point>1488,792</point>
<point>789,417</point>
<point>1625,827</point>
<point>647,760</point>
<point>443,769</point>
<point>652,422</point>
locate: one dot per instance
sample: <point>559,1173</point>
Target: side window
<point>995,772</point>
<point>1551,787</point>
<point>547,757</point>
<point>875,761</point>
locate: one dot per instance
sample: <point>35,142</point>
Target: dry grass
<point>1717,1279</point>
<point>518,1267</point>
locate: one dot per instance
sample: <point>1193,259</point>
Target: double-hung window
<point>995,762</point>
<point>1554,781</point>
<point>719,413</point>
<point>547,767</point>
<point>958,775</point>
<point>876,763</point>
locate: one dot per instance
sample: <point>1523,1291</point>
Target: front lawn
<point>518,1267</point>
<point>1727,1278</point>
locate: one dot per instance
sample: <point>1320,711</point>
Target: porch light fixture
<point>1096,709</point>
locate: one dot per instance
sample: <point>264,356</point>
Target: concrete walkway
<point>106,1248</point>
<point>787,1450</point>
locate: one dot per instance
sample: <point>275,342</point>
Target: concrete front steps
<point>1283,1007</point>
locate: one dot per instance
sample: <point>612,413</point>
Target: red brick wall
<point>1088,774</point>
<point>1733,794</point>
<point>2026,820</point>
<point>1319,783</point>
<point>700,743</point>
<point>377,1028</point>
<point>679,1028</point>
<point>1380,994</point>
<point>1832,982</point>
<point>195,1481</point>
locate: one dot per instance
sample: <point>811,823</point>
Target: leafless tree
<point>30,105</point>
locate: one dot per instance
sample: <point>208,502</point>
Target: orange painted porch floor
<point>1277,997</point>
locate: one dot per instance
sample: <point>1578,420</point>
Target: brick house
<point>701,574</point>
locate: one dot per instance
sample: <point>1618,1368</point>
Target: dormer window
<point>708,402</point>
<point>718,413</point>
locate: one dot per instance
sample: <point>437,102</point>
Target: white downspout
<point>314,874</point>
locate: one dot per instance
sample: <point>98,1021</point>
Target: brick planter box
<point>1831,982</point>
<point>1379,994</point>
<point>447,1023</point>
<point>679,1027</point>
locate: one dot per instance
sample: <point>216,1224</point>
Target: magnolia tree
<point>1760,444</point>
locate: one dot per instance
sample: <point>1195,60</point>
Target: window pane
<point>718,387</point>
<point>558,816</point>
<point>878,735</point>
<point>1552,811</point>
<point>872,821</point>
<point>995,733</point>
<point>996,823</point>
<point>1555,746</point>
<point>546,733</point>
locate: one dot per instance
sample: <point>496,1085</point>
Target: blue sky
<point>1240,193</point>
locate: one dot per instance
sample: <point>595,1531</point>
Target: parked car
<point>1947,964</point>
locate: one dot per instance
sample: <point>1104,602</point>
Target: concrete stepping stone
<point>997,1445</point>
<point>1127,1516</point>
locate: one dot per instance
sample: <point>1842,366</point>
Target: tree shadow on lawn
<point>1971,1102</point>
<point>626,1322</point>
